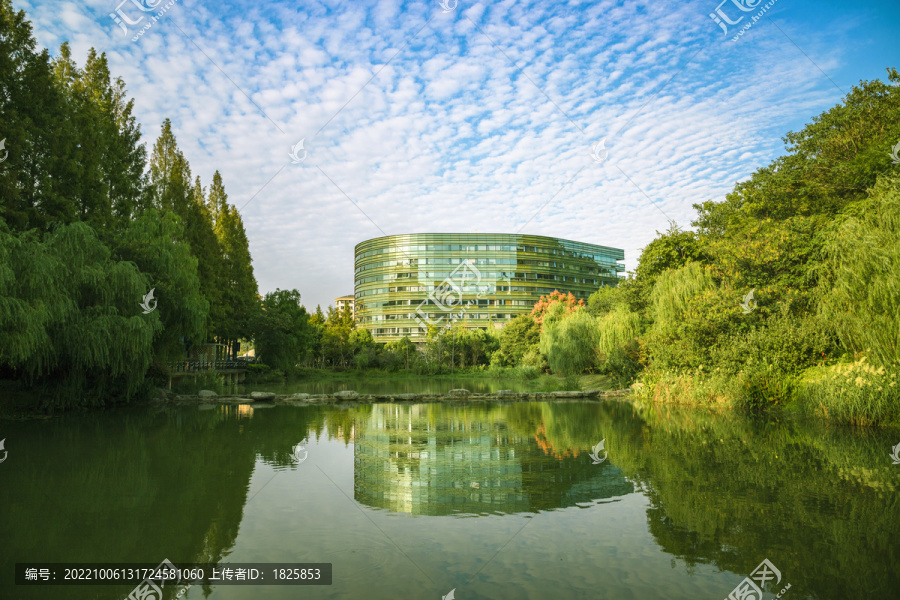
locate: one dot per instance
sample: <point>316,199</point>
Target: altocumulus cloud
<point>482,118</point>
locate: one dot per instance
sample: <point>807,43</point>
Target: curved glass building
<point>406,282</point>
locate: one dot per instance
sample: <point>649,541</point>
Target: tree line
<point>785,293</point>
<point>89,225</point>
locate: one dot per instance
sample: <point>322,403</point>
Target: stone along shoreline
<point>350,396</point>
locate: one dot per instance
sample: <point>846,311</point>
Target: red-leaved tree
<point>544,305</point>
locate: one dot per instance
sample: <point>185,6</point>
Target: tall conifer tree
<point>240,288</point>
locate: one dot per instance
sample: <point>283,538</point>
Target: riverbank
<point>851,393</point>
<point>17,403</point>
<point>372,381</point>
<point>351,397</point>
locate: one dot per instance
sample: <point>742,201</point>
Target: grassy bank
<point>851,393</point>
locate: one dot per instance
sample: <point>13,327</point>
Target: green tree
<point>336,335</point>
<point>360,340</point>
<point>860,292</point>
<point>570,343</point>
<point>154,242</point>
<point>282,331</point>
<point>479,346</point>
<point>604,300</point>
<point>435,348</point>
<point>401,354</point>
<point>317,321</point>
<point>107,161</point>
<point>518,336</point>
<point>211,265</point>
<point>36,177</point>
<point>670,250</point>
<point>618,348</point>
<point>363,348</point>
<point>829,164</point>
<point>170,189</point>
<point>240,290</point>
<point>70,319</point>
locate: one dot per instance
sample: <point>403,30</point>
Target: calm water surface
<point>494,501</point>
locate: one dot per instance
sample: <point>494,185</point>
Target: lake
<point>490,500</point>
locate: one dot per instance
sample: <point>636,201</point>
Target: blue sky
<point>472,116</point>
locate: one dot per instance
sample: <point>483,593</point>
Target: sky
<point>599,122</point>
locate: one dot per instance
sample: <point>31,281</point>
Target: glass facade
<point>478,280</point>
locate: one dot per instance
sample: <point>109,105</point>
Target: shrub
<point>158,373</point>
<point>694,387</point>
<point>789,344</point>
<point>534,358</point>
<point>853,393</point>
<point>764,385</point>
<point>202,381</point>
<point>260,372</point>
<point>622,364</point>
<point>527,372</point>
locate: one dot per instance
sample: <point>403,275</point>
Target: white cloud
<point>450,135</point>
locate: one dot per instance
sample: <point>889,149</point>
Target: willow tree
<point>675,290</point>
<point>71,327</point>
<point>684,324</point>
<point>154,242</point>
<point>618,348</point>
<point>570,343</point>
<point>861,287</point>
<point>617,329</point>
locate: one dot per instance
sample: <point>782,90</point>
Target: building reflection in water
<point>423,460</point>
<point>241,411</point>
